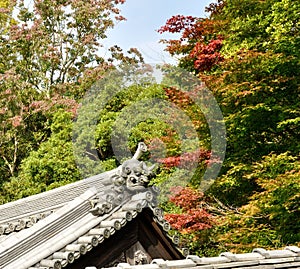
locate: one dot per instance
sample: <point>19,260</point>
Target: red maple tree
<point>194,216</point>
<point>198,43</point>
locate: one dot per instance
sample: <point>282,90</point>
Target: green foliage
<point>257,87</point>
<point>258,95</point>
<point>235,186</point>
<point>143,130</point>
<point>284,28</point>
<point>49,57</point>
<point>50,166</point>
<point>108,116</point>
<point>261,25</point>
<point>269,217</point>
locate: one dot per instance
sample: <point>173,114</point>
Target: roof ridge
<point>29,239</point>
<point>36,204</point>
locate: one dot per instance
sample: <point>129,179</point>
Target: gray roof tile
<point>208,260</point>
<point>293,249</point>
<point>275,253</point>
<point>270,260</point>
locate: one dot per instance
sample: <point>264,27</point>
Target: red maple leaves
<point>177,23</point>
<point>206,56</point>
<point>194,216</point>
<point>184,100</point>
<point>198,43</point>
<point>185,160</point>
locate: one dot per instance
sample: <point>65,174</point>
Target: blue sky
<point>144,17</point>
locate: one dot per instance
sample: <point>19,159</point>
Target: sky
<point>144,17</point>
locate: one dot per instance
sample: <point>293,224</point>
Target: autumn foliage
<point>193,217</point>
<point>247,53</point>
<point>206,56</point>
<point>187,159</point>
<point>199,44</point>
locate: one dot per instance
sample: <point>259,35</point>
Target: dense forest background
<point>246,52</point>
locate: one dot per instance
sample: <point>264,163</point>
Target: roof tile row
<point>259,258</point>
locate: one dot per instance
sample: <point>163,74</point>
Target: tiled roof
<point>23,213</point>
<point>258,259</point>
<point>71,231</point>
<point>53,229</point>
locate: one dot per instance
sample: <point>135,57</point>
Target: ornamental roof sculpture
<point>58,228</point>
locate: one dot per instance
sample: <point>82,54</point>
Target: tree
<point>191,217</point>
<point>269,218</point>
<point>49,57</point>
<point>26,117</point>
<point>54,43</point>
<point>254,75</point>
<point>255,79</point>
<point>141,112</point>
<point>50,166</point>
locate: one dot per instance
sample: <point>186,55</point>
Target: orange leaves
<point>16,121</point>
<point>186,198</point>
<point>52,104</point>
